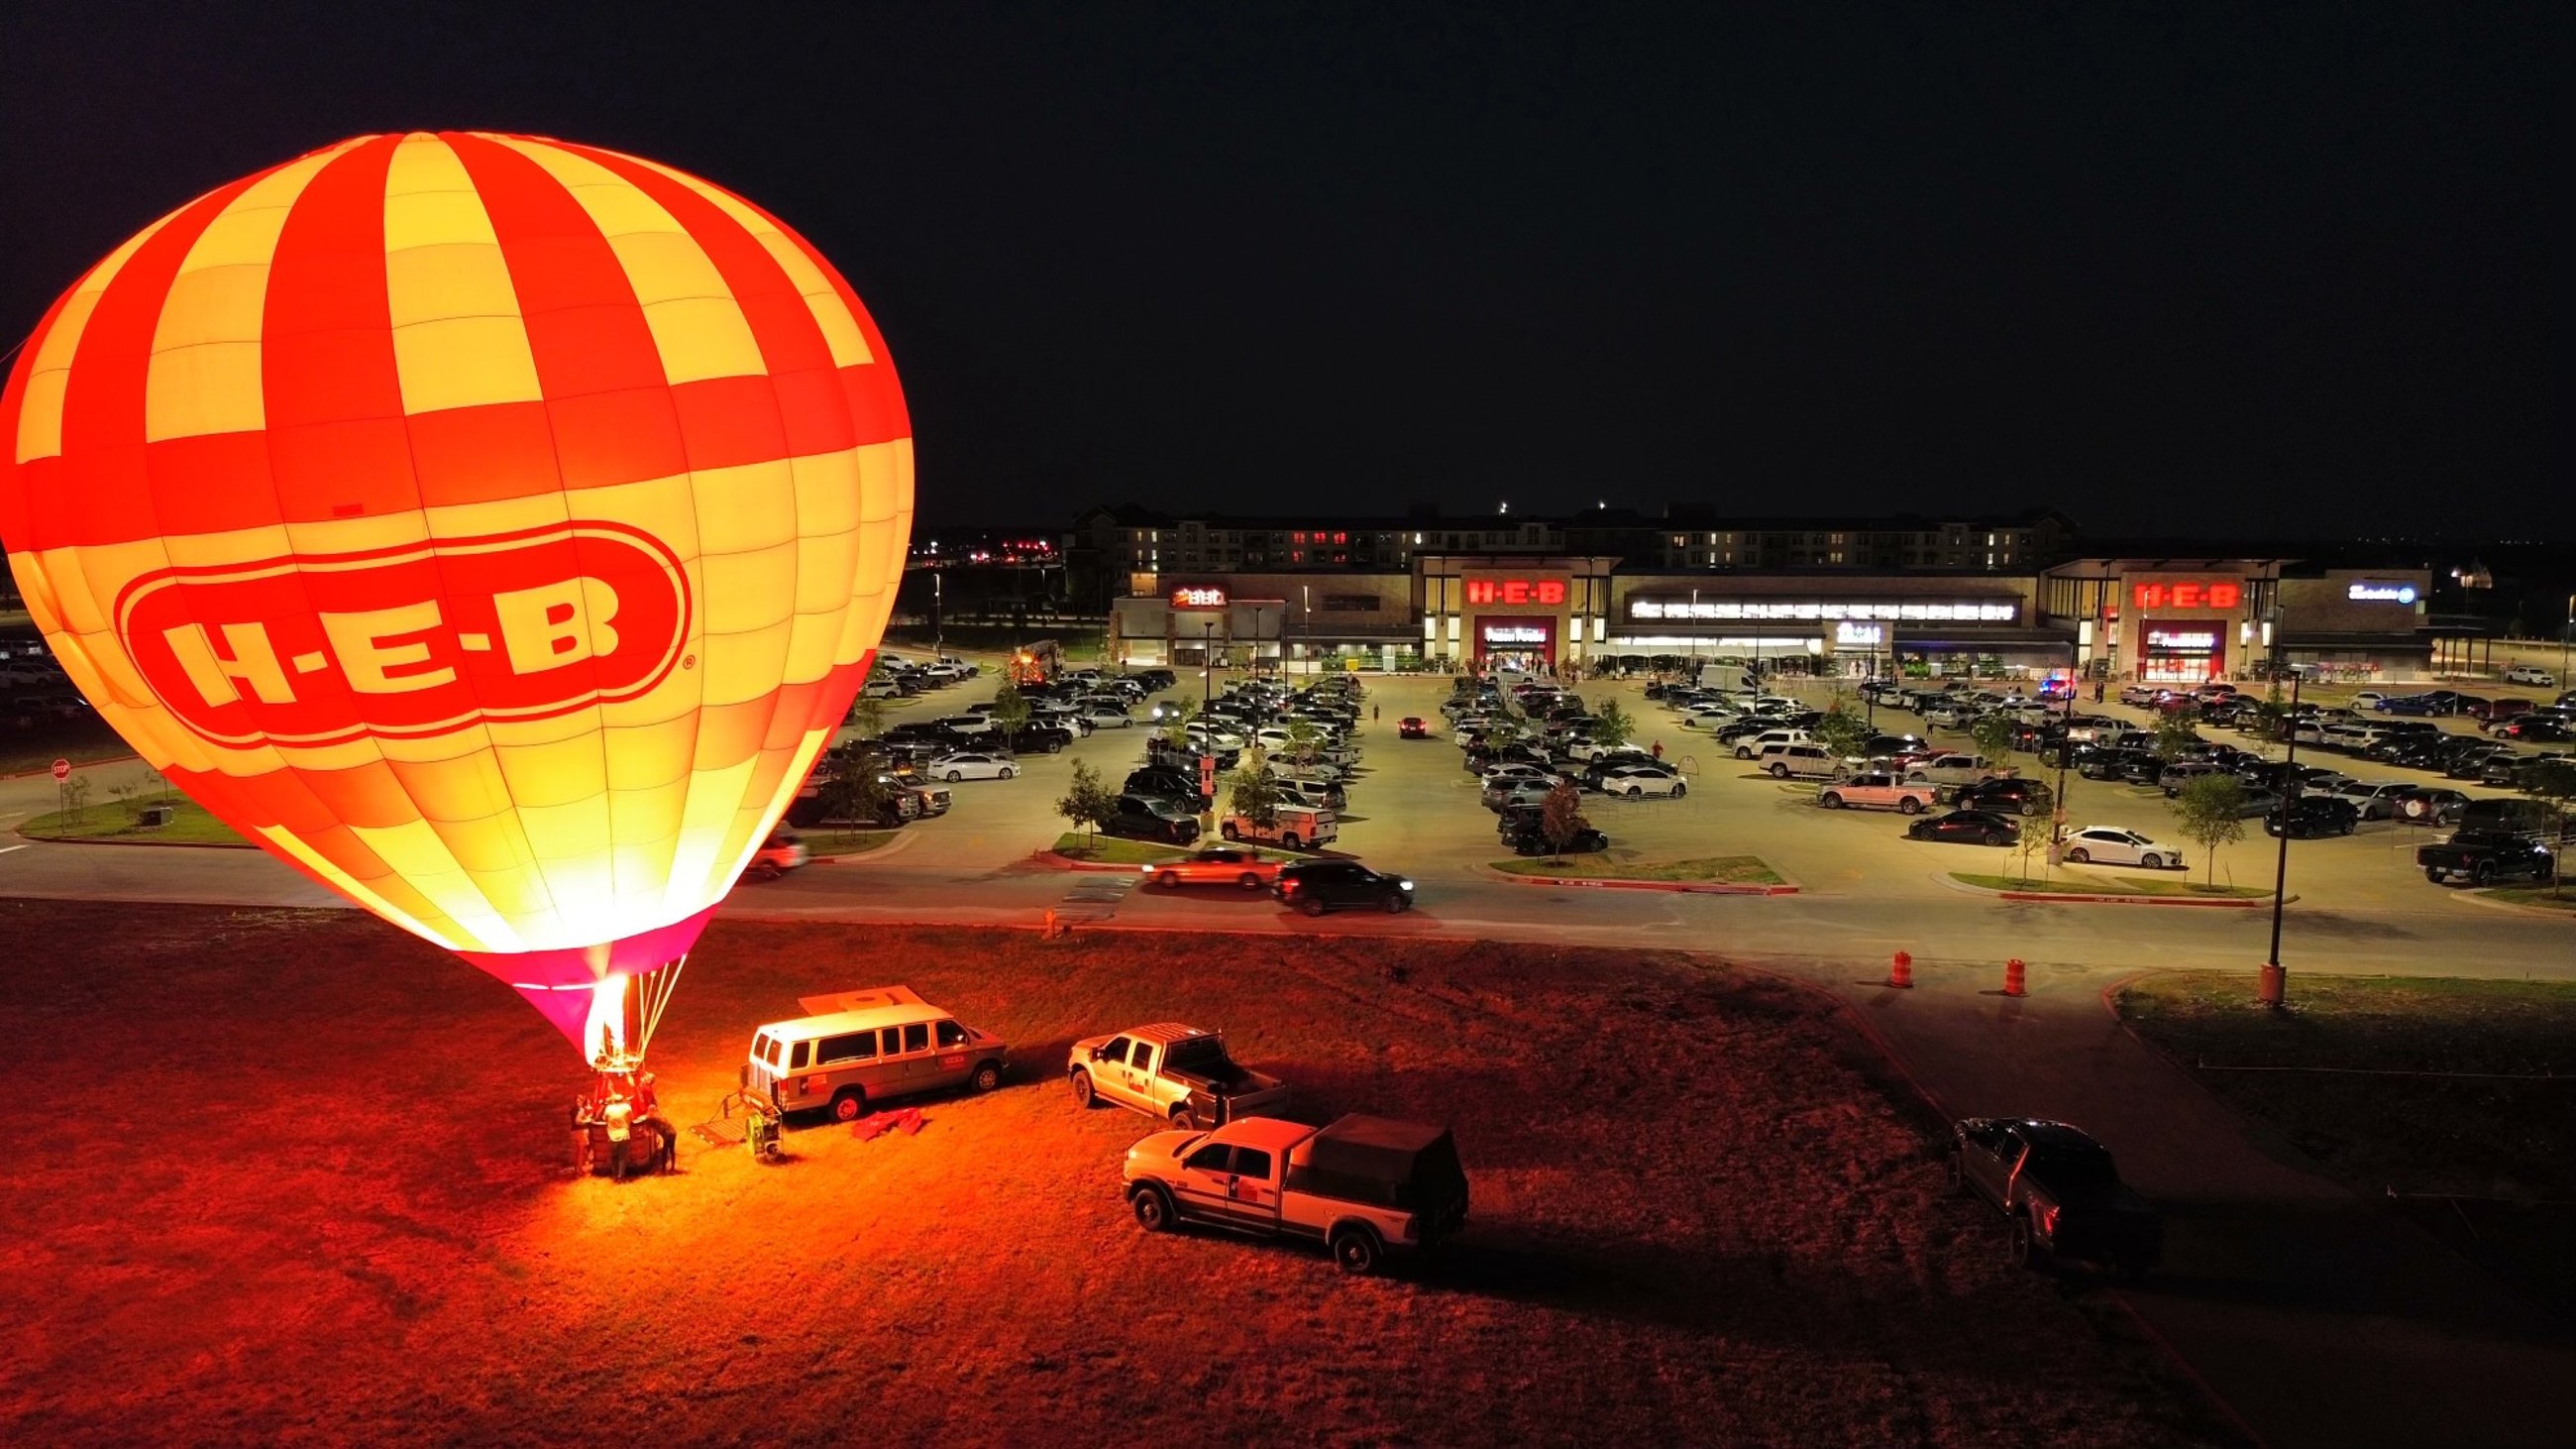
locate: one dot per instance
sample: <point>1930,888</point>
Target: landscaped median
<point>1731,875</point>
<point>1075,851</point>
<point>2123,890</point>
<point>120,822</point>
<point>2534,898</point>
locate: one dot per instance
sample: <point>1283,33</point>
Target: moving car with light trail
<point>2061,1190</point>
<point>1365,1187</point>
<point>1177,1073</point>
<point>1215,865</point>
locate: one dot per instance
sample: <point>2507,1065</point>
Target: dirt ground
<point>297,1178</point>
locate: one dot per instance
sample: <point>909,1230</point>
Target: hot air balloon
<point>493,528</point>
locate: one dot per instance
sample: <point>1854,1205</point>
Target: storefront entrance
<point>2183,653</point>
<point>1524,642</point>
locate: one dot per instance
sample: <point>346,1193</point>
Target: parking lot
<point>1414,809</point>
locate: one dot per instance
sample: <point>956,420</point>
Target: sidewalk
<point>2317,1317</point>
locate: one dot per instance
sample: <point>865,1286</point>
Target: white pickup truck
<point>1364,1186</point>
<point>1877,792</point>
<point>1953,770</point>
<point>1175,1073</point>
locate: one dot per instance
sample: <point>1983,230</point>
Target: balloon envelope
<point>494,528</point>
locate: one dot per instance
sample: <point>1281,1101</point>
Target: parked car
<point>1526,834</point>
<point>2372,799</point>
<point>1232,865</point>
<point>1966,827</point>
<point>1951,769</point>
<point>2312,815</point>
<point>2529,674</point>
<point>2113,845</point>
<point>1365,1187</point>
<point>1636,781</point>
<point>1876,792</point>
<point>2431,805</point>
<point>972,765</point>
<point>1174,1073</point>
<point>1804,761</point>
<point>1292,827</point>
<point>2485,857</point>
<point>1316,886</point>
<point>2005,795</point>
<point>1148,817</point>
<point>2061,1190</point>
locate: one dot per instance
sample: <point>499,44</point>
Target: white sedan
<point>1633,781</point>
<point>972,765</point>
<point>1101,716</point>
<point>2110,845</point>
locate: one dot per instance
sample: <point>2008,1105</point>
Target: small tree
<point>853,792</point>
<point>867,716</point>
<point>1613,726</point>
<point>1010,707</point>
<point>2038,833</point>
<point>1840,731</point>
<point>1994,734</point>
<point>1255,795</point>
<point>2210,813</point>
<point>1302,742</point>
<point>2176,731</point>
<point>1087,803</point>
<point>1560,816</point>
<point>2555,782</point>
<point>76,796</point>
<point>1176,730</point>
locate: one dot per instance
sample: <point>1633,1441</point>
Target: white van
<point>861,1047</point>
<point>1297,827</point>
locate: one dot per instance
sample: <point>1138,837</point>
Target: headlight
<point>1404,884</point>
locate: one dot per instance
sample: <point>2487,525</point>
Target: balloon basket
<point>617,1126</point>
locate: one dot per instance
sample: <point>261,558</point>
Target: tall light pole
<point>1207,663</point>
<point>2272,986</point>
<point>2565,634</point>
<point>2065,749</point>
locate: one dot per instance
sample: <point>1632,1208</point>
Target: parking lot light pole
<point>2566,633</point>
<point>1207,663</point>
<point>2272,985</point>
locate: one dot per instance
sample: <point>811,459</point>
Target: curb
<point>143,844</point>
<point>2544,913</point>
<point>2241,903</point>
<point>1689,887</point>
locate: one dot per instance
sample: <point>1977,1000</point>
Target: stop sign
<point>62,769</point>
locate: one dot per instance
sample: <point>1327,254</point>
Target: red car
<point>1411,727</point>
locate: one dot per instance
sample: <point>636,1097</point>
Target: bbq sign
<point>411,641</point>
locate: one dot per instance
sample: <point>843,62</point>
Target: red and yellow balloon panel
<point>495,528</point>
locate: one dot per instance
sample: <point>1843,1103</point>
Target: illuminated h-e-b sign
<point>2190,594</point>
<point>1202,598</point>
<point>1516,591</point>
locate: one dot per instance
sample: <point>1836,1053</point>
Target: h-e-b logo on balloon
<point>404,642</point>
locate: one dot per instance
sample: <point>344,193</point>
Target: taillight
<point>2048,1220</point>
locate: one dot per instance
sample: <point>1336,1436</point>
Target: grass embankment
<point>1606,865</point>
<point>846,843</point>
<point>2459,1097</point>
<point>1112,849</point>
<point>121,820</point>
<point>2563,899</point>
<point>1699,1216</point>
<point>2118,885</point>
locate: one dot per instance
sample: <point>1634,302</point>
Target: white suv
<point>2529,674</point>
<point>1752,748</point>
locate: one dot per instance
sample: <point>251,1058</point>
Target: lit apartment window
<point>1990,540</point>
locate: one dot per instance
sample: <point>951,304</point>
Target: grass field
<point>846,843</point>
<point>2122,885</point>
<point>2562,899</point>
<point>119,820</point>
<point>2459,1097</point>
<point>339,1214</point>
<point>1112,849</point>
<point>1612,865</point>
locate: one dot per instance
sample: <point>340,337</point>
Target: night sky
<point>2215,270</point>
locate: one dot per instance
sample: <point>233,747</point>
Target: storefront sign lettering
<point>1516,591</point>
<point>2381,593</point>
<point>2190,594</point>
<point>2183,641</point>
<point>1198,598</point>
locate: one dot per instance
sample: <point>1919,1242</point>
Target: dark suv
<point>2312,815</point>
<point>1165,782</point>
<point>1142,817</point>
<point>2010,795</point>
<point>1317,886</point>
